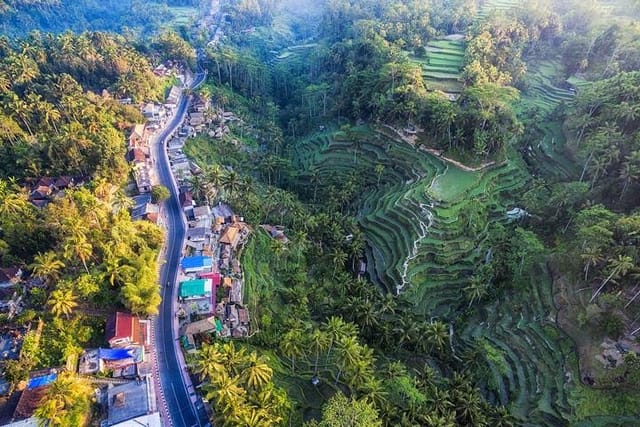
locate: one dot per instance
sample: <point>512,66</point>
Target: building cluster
<point>45,189</point>
<point>211,281</point>
<point>121,375</point>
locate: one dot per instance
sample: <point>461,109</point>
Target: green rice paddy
<point>420,242</point>
<point>182,16</point>
<point>491,6</point>
<point>442,65</point>
<point>545,92</point>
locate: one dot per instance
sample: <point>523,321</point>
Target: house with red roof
<point>124,330</point>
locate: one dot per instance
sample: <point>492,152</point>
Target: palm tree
<point>349,352</point>
<point>208,362</point>
<point>336,328</point>
<point>233,357</point>
<point>292,345</point>
<point>338,257</point>
<point>226,391</point>
<point>231,183</point>
<point>66,401</point>
<point>406,330</point>
<point>80,246</point>
<point>320,342</point>
<point>437,334</point>
<point>476,290</point>
<point>199,188</point>
<point>618,267</point>
<point>591,257</point>
<point>258,373</point>
<point>47,266</point>
<point>62,301</point>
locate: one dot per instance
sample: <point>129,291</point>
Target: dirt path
<point>411,140</point>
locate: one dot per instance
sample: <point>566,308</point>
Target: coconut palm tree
<point>338,257</point>
<point>62,301</point>
<point>226,391</point>
<point>208,362</point>
<point>47,266</point>
<point>349,352</point>
<point>320,342</point>
<point>619,267</point>
<point>475,290</point>
<point>292,345</point>
<point>437,334</point>
<point>66,401</point>
<point>80,247</point>
<point>257,374</point>
<point>591,257</point>
<point>335,328</point>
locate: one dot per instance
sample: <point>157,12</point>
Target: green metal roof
<point>195,288</point>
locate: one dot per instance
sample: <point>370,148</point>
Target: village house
<point>198,295</point>
<point>132,404</point>
<point>148,211</point>
<point>143,179</point>
<point>173,97</point>
<point>198,327</point>
<point>48,187</point>
<point>124,329</point>
<point>161,70</point>
<point>138,137</point>
<point>196,289</point>
<point>196,264</point>
<point>187,203</point>
<point>234,234</point>
<point>30,399</point>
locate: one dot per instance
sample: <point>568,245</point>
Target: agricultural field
<point>491,6</point>
<point>182,16</point>
<point>442,64</point>
<point>545,91</point>
<point>421,241</point>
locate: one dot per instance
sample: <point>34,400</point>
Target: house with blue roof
<point>196,264</point>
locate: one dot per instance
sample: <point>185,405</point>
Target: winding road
<point>177,395</point>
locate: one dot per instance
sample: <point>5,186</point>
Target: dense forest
<point>19,17</point>
<point>458,181</point>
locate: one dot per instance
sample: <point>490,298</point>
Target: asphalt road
<point>181,409</point>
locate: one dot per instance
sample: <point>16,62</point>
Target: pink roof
<point>215,277</point>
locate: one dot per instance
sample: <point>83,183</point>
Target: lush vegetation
<point>389,140</point>
<point>458,303</point>
<point>19,17</point>
<point>84,252</point>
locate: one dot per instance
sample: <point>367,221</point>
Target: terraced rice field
<point>442,65</point>
<point>538,376</point>
<point>419,242</point>
<point>182,16</point>
<point>491,6</point>
<point>291,53</point>
<point>545,94</point>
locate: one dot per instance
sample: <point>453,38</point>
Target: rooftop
<point>127,401</point>
<point>195,288</point>
<point>196,262</point>
<point>29,402</point>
